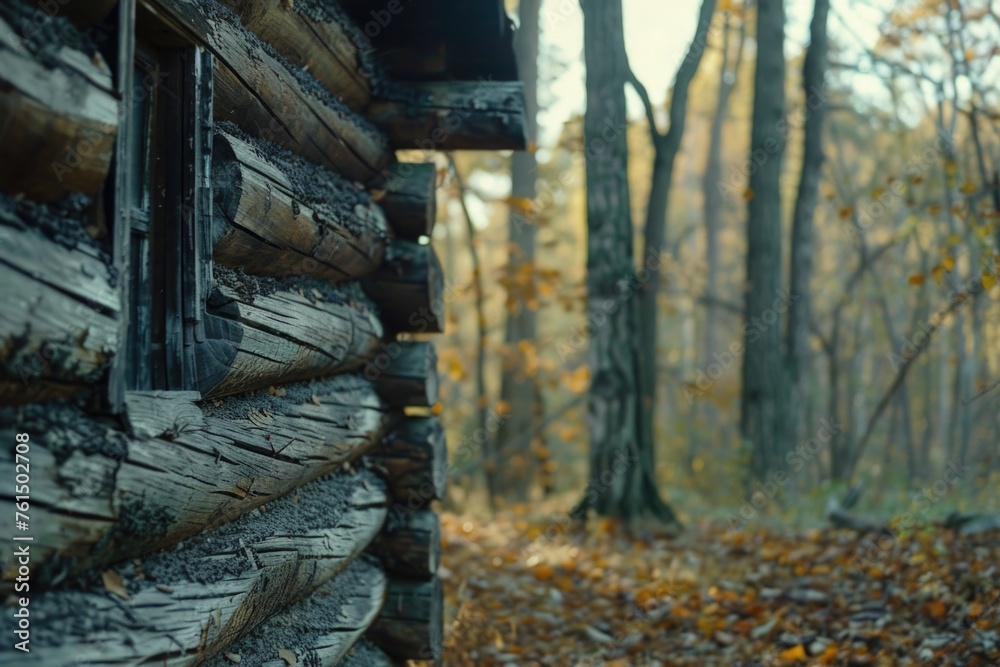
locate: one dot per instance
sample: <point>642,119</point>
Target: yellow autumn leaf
<point>523,205</point>
<point>937,273</point>
<point>748,194</point>
<point>989,280</point>
<point>877,192</point>
<point>953,239</point>
<point>578,381</point>
<point>948,263</point>
<point>915,279</point>
<point>967,188</point>
<point>797,652</point>
<point>455,370</point>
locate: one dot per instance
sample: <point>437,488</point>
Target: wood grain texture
<point>409,199</point>
<point>411,625</point>
<point>408,288</point>
<point>320,630</point>
<point>454,115</point>
<point>410,544</point>
<point>190,604</point>
<point>271,231</point>
<point>324,48</point>
<point>286,337</point>
<point>257,92</point>
<point>58,121</point>
<point>406,374</point>
<point>96,505</point>
<point>58,314</point>
<point>415,456</point>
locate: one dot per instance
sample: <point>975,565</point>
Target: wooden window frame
<point>162,245</point>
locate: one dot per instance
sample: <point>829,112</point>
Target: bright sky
<point>657,34</point>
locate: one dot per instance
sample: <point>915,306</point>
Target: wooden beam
<point>406,374</point>
<point>454,115</point>
<point>414,454</point>
<point>273,224</point>
<point>410,544</point>
<point>408,288</point>
<point>58,306</point>
<point>187,605</point>
<point>323,43</point>
<point>411,624</point>
<point>284,336</point>
<point>408,197</point>
<point>320,630</point>
<point>59,116</point>
<point>104,495</point>
<point>255,90</point>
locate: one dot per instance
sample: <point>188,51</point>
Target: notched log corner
<point>408,289</point>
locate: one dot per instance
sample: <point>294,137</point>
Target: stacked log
<point>270,100</point>
<point>411,624</point>
<point>453,115</point>
<point>283,333</point>
<point>279,215</point>
<point>105,494</point>
<point>409,289</point>
<point>60,114</point>
<point>188,605</point>
<point>320,630</point>
<point>318,38</point>
<point>407,197</point>
<point>58,306</point>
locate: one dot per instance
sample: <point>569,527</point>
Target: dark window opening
<point>162,220</point>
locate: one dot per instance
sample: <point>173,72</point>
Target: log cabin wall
<point>213,271</point>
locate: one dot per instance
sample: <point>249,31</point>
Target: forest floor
<point>527,588</point>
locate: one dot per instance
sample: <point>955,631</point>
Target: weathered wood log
<point>187,605</point>
<point>322,42</point>
<point>409,289</point>
<point>415,456</point>
<point>273,224</point>
<point>320,630</point>
<point>366,654</point>
<point>411,624</point>
<point>409,199</point>
<point>271,101</point>
<point>283,336</point>
<point>58,306</point>
<point>59,120</point>
<point>454,115</point>
<point>405,374</point>
<point>99,495</point>
<point>410,544</point>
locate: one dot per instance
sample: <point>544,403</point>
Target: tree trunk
<point>764,395</point>
<point>665,147</point>
<point>621,457</point>
<point>713,205</point>
<point>518,390</point>
<point>797,347</point>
